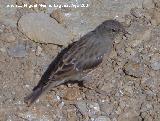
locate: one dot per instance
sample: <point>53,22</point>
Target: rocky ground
<point>125,87</point>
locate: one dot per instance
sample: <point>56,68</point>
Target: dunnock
<point>79,58</point>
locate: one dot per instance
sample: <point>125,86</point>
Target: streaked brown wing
<point>66,66</point>
<point>78,58</point>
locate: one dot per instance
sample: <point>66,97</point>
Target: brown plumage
<point>73,62</point>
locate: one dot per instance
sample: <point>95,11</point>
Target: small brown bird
<point>79,58</point>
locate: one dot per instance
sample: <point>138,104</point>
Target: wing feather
<point>74,59</point>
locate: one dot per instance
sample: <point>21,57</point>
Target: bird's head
<point>112,27</point>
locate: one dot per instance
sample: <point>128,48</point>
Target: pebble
<point>72,94</point>
<point>156,16</point>
<point>82,106</point>
<point>41,28</point>
<point>8,37</point>
<point>128,20</point>
<point>94,109</point>
<point>2,27</point>
<point>129,90</point>
<point>154,44</point>
<point>107,86</point>
<point>3,50</point>
<point>18,50</point>
<point>155,65</point>
<point>106,107</point>
<point>71,113</point>
<point>148,4</point>
<point>58,16</point>
<point>94,106</point>
<point>146,106</point>
<point>38,51</point>
<point>102,118</point>
<point>129,115</point>
<point>133,69</point>
<point>155,62</point>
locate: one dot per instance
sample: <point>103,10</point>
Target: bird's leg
<point>86,82</point>
<point>83,80</point>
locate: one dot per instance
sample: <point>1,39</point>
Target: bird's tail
<point>31,98</point>
<point>38,90</point>
<point>36,93</point>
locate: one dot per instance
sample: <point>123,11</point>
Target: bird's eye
<point>113,30</point>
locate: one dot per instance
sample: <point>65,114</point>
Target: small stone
<point>155,62</point>
<point>106,107</point>
<point>154,43</point>
<point>57,15</point>
<point>3,50</point>
<point>133,69</point>
<point>156,16</point>
<point>39,51</point>
<point>8,37</point>
<point>71,113</point>
<point>102,118</point>
<point>18,50</point>
<point>72,94</point>
<point>2,28</point>
<point>146,106</point>
<point>129,49</point>
<point>128,20</point>
<point>130,115</point>
<point>82,106</point>
<point>148,4</point>
<point>128,89</point>
<point>107,87</point>
<point>155,65</point>
<point>11,38</point>
<point>93,109</point>
<point>94,106</point>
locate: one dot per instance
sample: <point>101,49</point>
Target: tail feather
<point>33,96</point>
<point>38,90</point>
